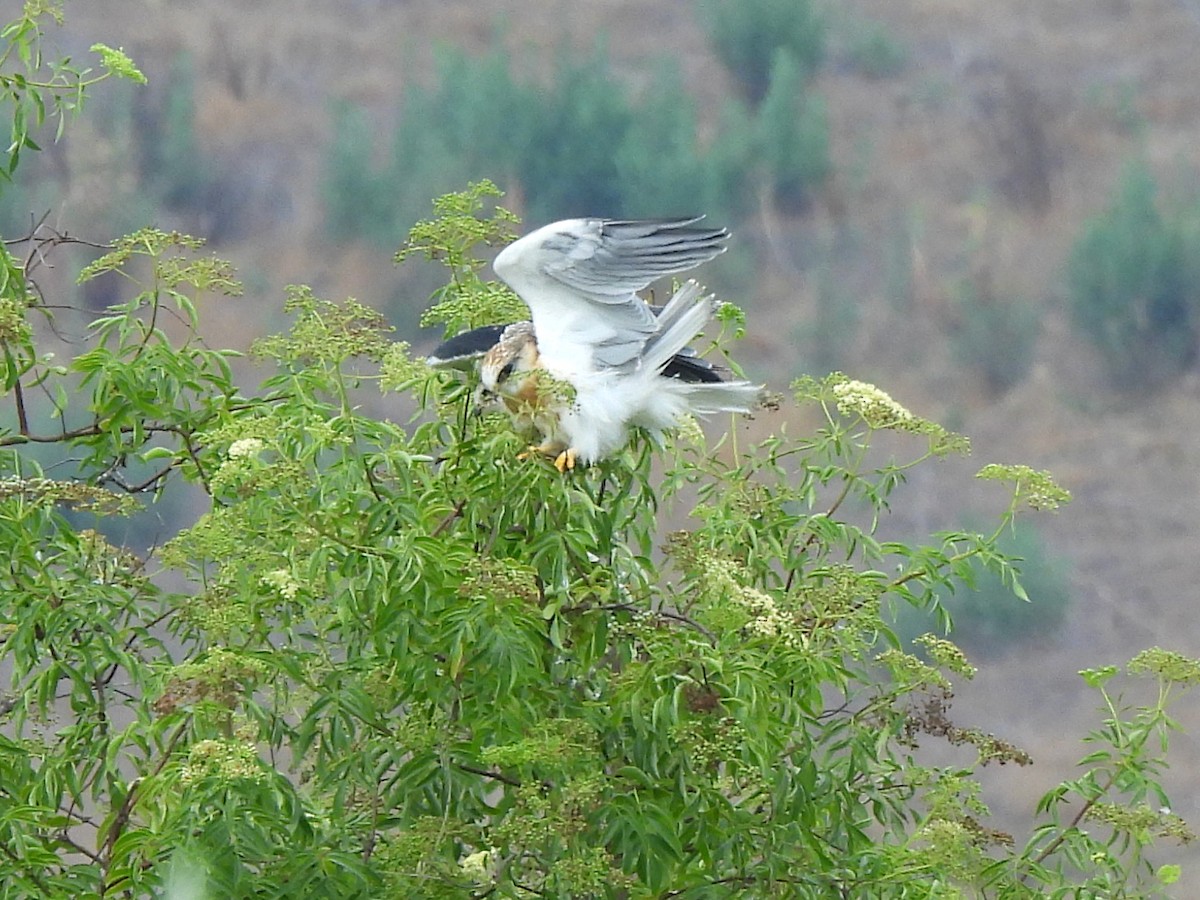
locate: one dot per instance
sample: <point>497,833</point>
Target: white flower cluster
<point>282,581</point>
<point>768,621</point>
<point>876,407</point>
<point>241,460</point>
<point>226,760</point>
<point>245,448</point>
<point>479,865</point>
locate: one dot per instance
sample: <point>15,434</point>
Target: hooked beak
<point>484,398</point>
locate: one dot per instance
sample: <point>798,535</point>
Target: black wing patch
<point>692,369</point>
<point>463,348</point>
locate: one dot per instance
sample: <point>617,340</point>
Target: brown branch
<point>33,229</point>
<point>143,486</point>
<point>88,431</point>
<point>371,483</point>
<point>122,817</point>
<point>43,237</point>
<point>22,413</point>
<point>495,776</point>
<point>1074,823</point>
<point>65,838</point>
<point>373,835</point>
<point>94,430</point>
<point>454,514</point>
<point>528,888</point>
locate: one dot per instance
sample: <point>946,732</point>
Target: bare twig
<point>454,514</point>
<point>485,773</point>
<point>1074,823</point>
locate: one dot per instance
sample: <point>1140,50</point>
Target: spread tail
<point>680,321</point>
<point>684,316</point>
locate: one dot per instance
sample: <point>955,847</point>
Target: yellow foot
<point>566,460</point>
<point>546,451</point>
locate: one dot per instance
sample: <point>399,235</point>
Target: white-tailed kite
<point>596,360</point>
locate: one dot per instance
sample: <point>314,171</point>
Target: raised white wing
<point>580,278</point>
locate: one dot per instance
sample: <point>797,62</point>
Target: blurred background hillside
<point>992,210</point>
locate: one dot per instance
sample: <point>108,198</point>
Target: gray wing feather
<point>623,256</point>
<point>601,264</point>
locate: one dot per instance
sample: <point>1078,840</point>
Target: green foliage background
<point>580,140</point>
<point>393,660</point>
<point>1132,277</point>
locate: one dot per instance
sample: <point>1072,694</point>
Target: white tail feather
<point>731,396</point>
<point>680,321</point>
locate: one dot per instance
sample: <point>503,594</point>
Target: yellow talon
<point>566,460</point>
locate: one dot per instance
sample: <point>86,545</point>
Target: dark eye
<point>503,374</point>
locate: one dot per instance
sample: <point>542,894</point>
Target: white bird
<point>596,360</point>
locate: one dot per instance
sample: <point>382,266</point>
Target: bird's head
<point>504,370</point>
